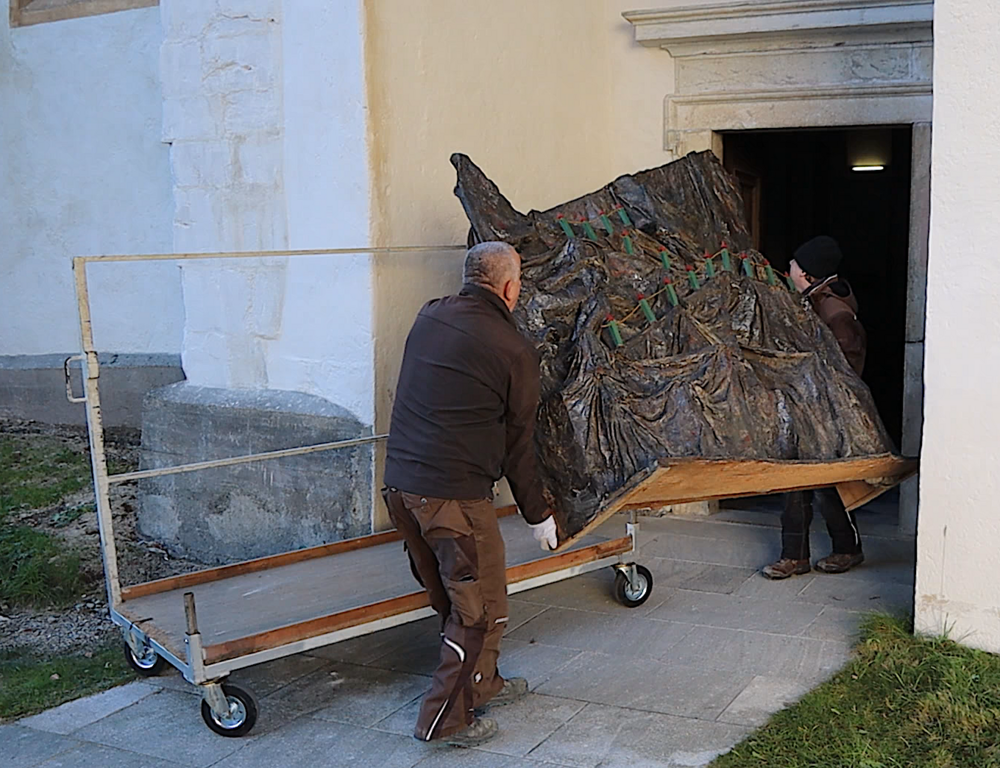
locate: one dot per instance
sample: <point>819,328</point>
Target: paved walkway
<point>710,656</point>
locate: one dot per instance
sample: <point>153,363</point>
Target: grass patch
<point>35,568</point>
<point>904,701</point>
<point>39,472</point>
<point>27,685</point>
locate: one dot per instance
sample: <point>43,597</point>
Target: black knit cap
<point>819,257</point>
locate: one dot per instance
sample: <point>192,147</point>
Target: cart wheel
<point>150,664</point>
<point>629,597</point>
<point>242,712</point>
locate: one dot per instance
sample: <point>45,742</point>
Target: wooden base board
<point>272,561</point>
<point>383,609</point>
<point>677,481</point>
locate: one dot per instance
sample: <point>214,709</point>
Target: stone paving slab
<point>757,653</point>
<point>859,594</point>
<point>759,700</point>
<point>318,744</point>
<point>715,651</point>
<point>702,577</point>
<point>670,688</point>
<point>166,725</point>
<point>760,546</point>
<point>565,628</point>
<point>523,725</point>
<point>611,736</point>
<point>786,617</point>
<point>22,747</point>
<point>353,694</point>
<point>88,755</point>
<point>74,715</point>
<point>835,624</point>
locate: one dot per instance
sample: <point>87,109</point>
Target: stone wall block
<point>192,118</point>
<point>180,68</point>
<point>187,19</point>
<point>248,113</point>
<point>236,513</point>
<point>243,63</point>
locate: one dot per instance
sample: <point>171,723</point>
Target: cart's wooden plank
<point>253,603</point>
<point>272,561</point>
<point>569,559</point>
<point>678,481</point>
<point>276,638</point>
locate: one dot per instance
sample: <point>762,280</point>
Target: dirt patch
<point>72,520</point>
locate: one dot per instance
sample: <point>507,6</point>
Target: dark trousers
<point>798,515</point>
<point>456,549</point>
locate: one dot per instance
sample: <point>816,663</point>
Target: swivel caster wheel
<point>147,664</point>
<point>242,713</point>
<point>630,594</point>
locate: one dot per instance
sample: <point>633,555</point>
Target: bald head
<point>496,267</point>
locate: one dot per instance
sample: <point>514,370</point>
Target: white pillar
<point>958,534</point>
<point>264,108</point>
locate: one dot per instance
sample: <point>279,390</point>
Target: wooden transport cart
<point>212,622</point>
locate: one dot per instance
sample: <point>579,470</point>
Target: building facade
<point>246,125</point>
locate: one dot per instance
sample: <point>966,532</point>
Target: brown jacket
<point>834,302</point>
<point>465,405</point>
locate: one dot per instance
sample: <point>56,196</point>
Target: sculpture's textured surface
<point>739,368</point>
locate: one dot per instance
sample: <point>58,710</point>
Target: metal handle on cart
<point>69,382</point>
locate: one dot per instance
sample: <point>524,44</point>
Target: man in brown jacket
<point>464,416</point>
<point>814,272</point>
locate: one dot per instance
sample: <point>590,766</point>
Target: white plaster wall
<point>264,103</point>
<point>82,171</point>
<point>222,116</point>
<point>958,536</point>
<point>327,341</point>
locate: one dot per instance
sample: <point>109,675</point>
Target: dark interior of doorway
<point>799,184</point>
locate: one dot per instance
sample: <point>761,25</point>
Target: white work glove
<point>545,533</point>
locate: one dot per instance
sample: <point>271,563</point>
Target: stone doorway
<point>799,184</point>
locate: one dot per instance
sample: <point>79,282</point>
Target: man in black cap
<point>814,272</point>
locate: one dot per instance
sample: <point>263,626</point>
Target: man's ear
<point>508,291</point>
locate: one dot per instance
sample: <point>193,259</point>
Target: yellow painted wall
<point>551,98</point>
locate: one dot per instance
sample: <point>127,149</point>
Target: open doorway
<point>799,184</point>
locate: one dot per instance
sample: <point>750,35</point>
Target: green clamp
<point>665,259</point>
<point>671,293</point>
<point>646,309</point>
<point>769,273</point>
<point>565,226</point>
<point>615,333</point>
<point>791,283</point>
<point>607,223</point>
<point>588,230</point>
<point>727,263</point>
<point>747,265</point>
<point>709,266</point>
<point>624,217</point>
<point>693,278</point>
<point>628,244</point>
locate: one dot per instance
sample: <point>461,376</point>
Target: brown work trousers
<point>456,549</point>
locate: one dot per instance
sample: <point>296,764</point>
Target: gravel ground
<point>84,625</point>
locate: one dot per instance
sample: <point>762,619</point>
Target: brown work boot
<point>839,563</point>
<point>784,568</point>
<point>482,730</point>
<point>514,688</point>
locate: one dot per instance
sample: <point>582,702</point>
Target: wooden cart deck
<point>311,592</point>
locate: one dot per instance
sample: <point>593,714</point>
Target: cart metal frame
<point>207,666</point>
